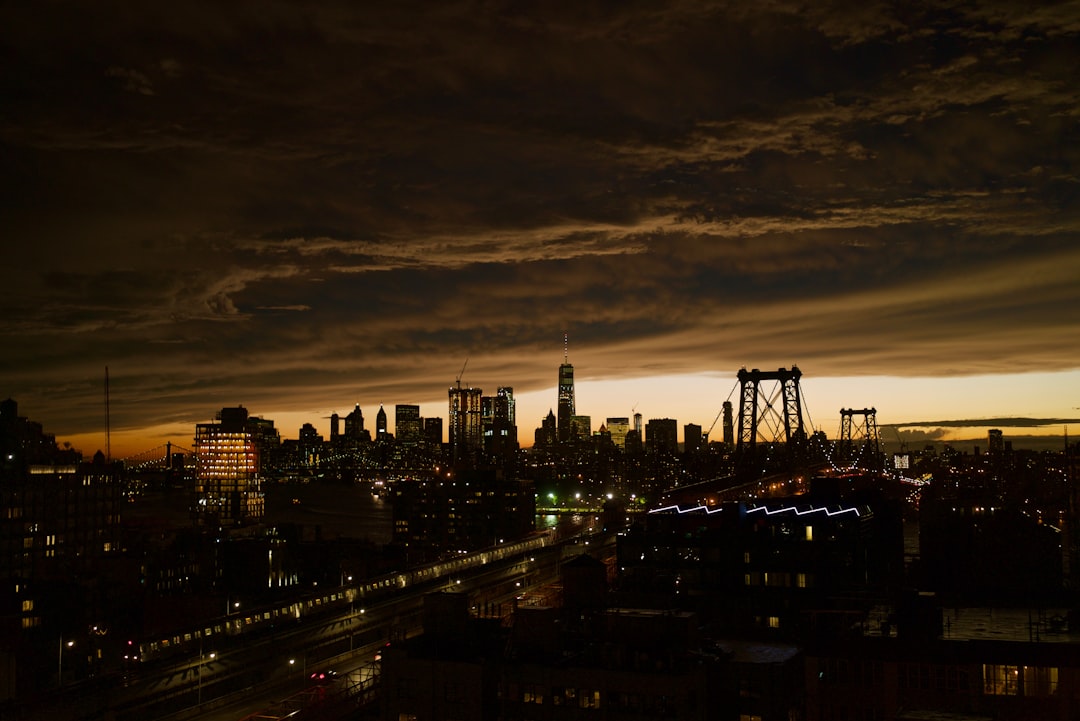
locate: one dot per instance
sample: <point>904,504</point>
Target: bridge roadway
<point>232,677</point>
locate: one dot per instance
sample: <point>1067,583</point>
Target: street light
<point>60,662</point>
<point>202,661</point>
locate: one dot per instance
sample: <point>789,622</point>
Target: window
<point>454,692</point>
<point>588,699</point>
<point>1040,680</point>
<point>800,580</point>
<point>774,622</point>
<point>1001,680</point>
<point>809,533</point>
<point>532,694</point>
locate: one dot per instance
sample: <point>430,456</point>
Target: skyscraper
<point>566,394</point>
<point>466,427</point>
<point>507,392</point>
<point>354,424</point>
<point>661,435</point>
<point>497,413</point>
<point>380,424</point>
<point>729,424</point>
<point>618,428</point>
<point>691,438</point>
<point>433,431</point>
<point>227,483</point>
<point>407,423</point>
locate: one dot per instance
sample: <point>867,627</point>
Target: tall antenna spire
<point>108,434</point>
<point>566,347</point>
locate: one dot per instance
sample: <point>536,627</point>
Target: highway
<point>267,672</point>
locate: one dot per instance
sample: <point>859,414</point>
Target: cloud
<point>985,422</point>
<point>315,202</point>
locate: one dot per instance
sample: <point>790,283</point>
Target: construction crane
<point>462,372</point>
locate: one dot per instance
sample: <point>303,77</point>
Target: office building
<point>380,425</point>
<point>354,425</point>
<point>580,428</point>
<point>661,436</point>
<point>407,423</point>
<point>996,442</point>
<point>466,426</point>
<point>618,428</point>
<point>566,399</point>
<point>692,438</point>
<point>433,431</point>
<point>227,484</point>
<point>497,414</point>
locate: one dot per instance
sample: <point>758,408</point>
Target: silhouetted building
<point>354,424</point>
<point>996,443</point>
<point>625,663</point>
<point>335,427</point>
<point>433,431</point>
<point>774,565</point>
<point>497,414</point>
<point>958,679</point>
<point>691,438</point>
<point>566,400</point>
<point>547,434</point>
<point>310,445</point>
<point>729,424</point>
<point>380,425</point>
<point>661,436</point>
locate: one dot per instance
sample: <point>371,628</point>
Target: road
<point>269,671</point>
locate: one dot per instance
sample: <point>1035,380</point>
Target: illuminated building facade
<point>618,428</point>
<point>407,424</point>
<point>227,483</point>
<point>466,421</point>
<point>566,400</point>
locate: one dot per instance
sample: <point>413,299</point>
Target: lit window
<point>774,622</point>
<point>809,533</point>
<point>1001,680</point>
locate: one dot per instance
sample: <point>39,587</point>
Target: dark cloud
<point>333,199</point>
<point>985,422</point>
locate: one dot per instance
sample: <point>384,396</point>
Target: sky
<point>303,207</point>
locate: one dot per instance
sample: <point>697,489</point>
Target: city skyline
<point>1020,430</point>
<point>300,208</point>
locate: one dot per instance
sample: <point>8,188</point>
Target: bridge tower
<point>757,411</point>
<point>859,443</point>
